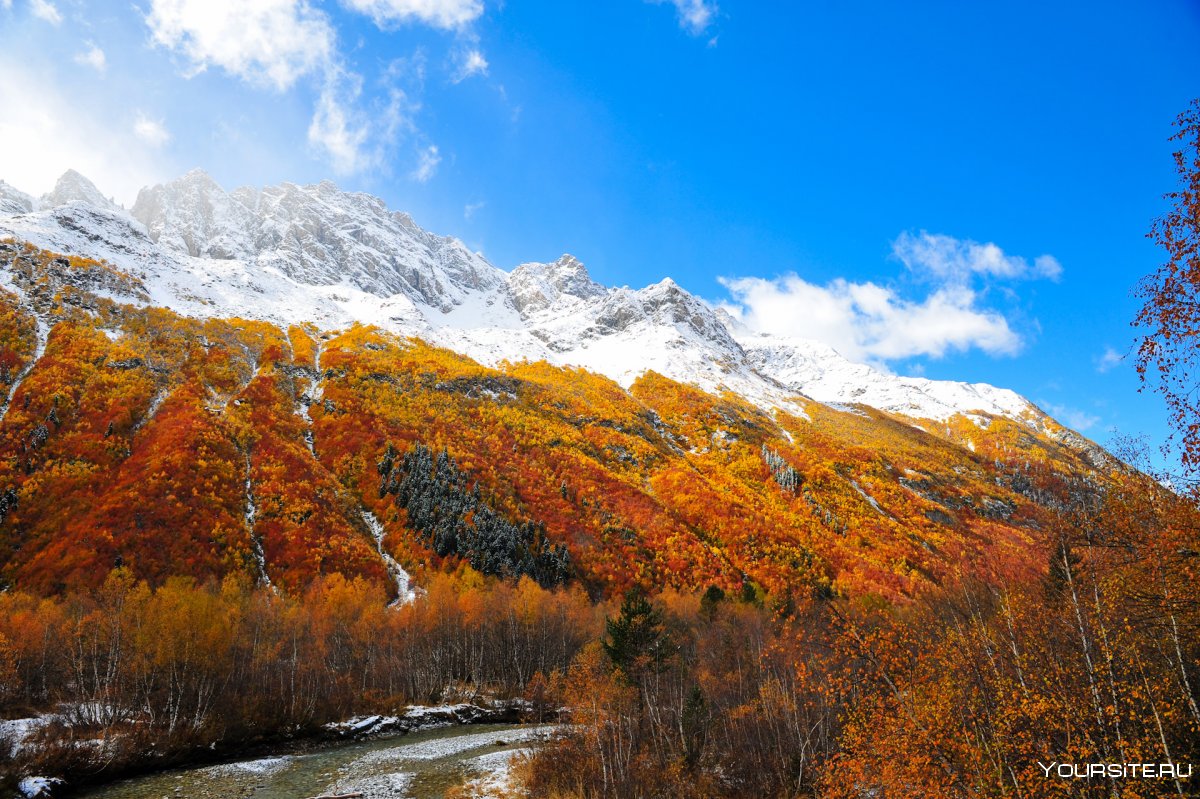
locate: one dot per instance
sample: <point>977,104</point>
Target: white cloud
<point>6,4</point>
<point>270,42</point>
<point>867,322</point>
<point>1108,360</point>
<point>275,43</point>
<point>335,131</point>
<point>92,57</point>
<point>1071,417</point>
<point>44,9</point>
<point>438,13</point>
<point>427,164</point>
<point>471,63</point>
<point>694,15</point>
<point>151,131</point>
<point>110,155</point>
<point>470,209</point>
<point>947,258</point>
<point>357,136</point>
<point>873,323</point>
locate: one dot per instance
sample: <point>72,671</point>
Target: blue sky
<point>959,190</point>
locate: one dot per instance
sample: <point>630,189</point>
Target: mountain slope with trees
<point>168,445</point>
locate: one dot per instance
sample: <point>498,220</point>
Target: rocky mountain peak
<point>73,187</point>
<point>538,286</point>
<point>669,303</point>
<point>570,276</point>
<point>194,216</point>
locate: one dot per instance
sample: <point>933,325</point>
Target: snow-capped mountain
<point>14,201</point>
<point>291,254</point>
<point>73,187</point>
<point>315,235</point>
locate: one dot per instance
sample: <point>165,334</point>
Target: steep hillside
<point>135,435</point>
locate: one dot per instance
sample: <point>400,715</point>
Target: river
<point>420,765</point>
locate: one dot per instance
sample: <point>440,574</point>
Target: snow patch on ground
<point>156,402</point>
<point>405,592</point>
<point>266,765</point>
<point>18,730</point>
<point>251,515</point>
<point>34,787</point>
<point>820,372</point>
<point>376,787</point>
<point>870,499</point>
<point>496,778</point>
<point>440,748</point>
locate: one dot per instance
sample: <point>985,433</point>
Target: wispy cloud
<point>868,322</point>
<point>1108,360</point>
<point>946,258</point>
<point>695,16</point>
<point>92,57</point>
<point>277,43</point>
<point>110,154</point>
<point>272,44</point>
<point>45,10</point>
<point>152,131</point>
<point>445,14</point>
<point>427,164</point>
<point>470,209</point>
<point>1071,417</point>
<point>471,62</point>
<point>334,131</point>
<point>878,324</point>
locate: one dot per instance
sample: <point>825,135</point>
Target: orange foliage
<point>136,432</point>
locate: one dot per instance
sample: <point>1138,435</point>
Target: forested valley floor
<point>960,693</point>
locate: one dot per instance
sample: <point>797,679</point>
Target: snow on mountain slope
<point>318,254</point>
<point>194,216</point>
<point>818,371</point>
<point>204,287</point>
<point>319,236</point>
<point>14,201</point>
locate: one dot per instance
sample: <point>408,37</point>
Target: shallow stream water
<point>420,765</point>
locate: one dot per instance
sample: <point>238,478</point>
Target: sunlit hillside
<point>134,436</point>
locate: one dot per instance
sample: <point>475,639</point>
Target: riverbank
<point>82,781</point>
<point>471,761</point>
